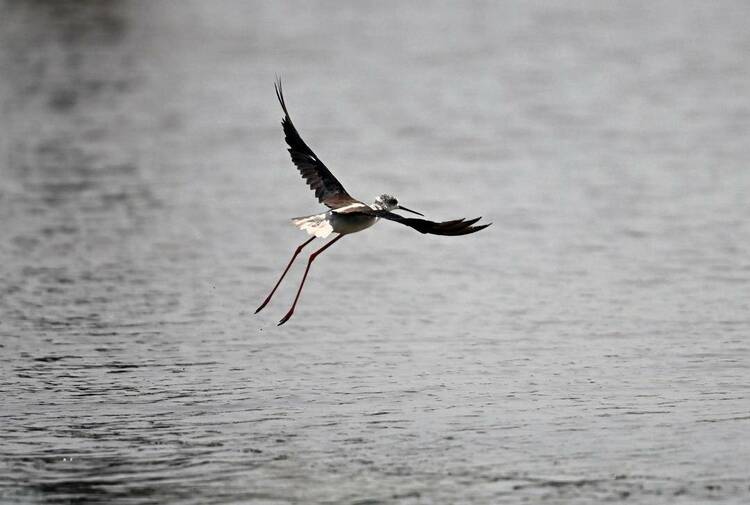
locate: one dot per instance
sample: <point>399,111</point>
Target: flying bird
<point>346,214</point>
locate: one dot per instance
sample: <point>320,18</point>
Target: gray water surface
<point>591,346</point>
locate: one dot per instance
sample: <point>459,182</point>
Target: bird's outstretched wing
<point>327,188</point>
<point>449,228</point>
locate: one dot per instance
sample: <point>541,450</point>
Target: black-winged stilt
<point>347,214</point>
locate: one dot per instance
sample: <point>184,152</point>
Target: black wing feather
<point>449,228</point>
<point>328,189</point>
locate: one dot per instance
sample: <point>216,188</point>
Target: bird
<point>345,214</point>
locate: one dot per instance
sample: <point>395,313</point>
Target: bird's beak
<point>409,210</point>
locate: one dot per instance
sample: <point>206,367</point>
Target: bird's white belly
<point>350,223</point>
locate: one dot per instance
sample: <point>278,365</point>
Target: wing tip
<point>280,94</point>
<point>464,227</point>
<point>474,229</point>
<point>481,227</point>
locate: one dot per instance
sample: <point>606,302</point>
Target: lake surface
<point>591,346</point>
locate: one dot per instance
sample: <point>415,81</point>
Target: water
<point>590,346</point>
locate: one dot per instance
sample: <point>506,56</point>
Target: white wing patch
<point>317,224</point>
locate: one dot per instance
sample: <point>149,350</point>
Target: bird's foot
<point>262,305</point>
<point>285,318</point>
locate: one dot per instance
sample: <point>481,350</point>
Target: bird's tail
<point>317,225</point>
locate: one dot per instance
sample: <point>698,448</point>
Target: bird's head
<point>388,202</point>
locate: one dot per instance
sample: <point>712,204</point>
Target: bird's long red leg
<point>296,253</point>
<point>309,262</point>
